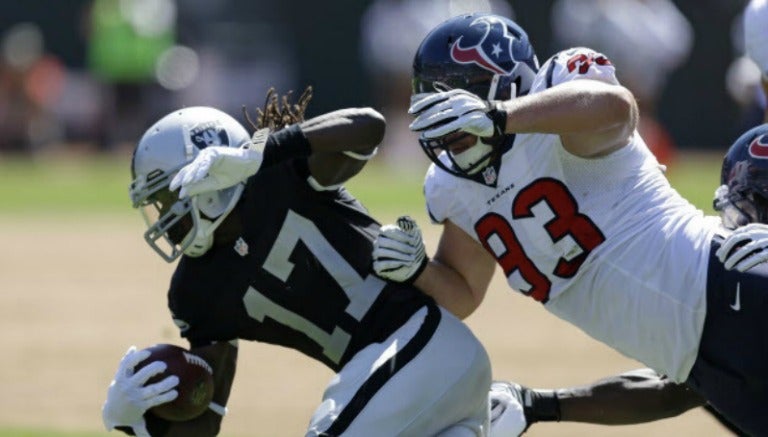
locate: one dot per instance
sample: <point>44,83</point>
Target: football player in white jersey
<point>542,172</point>
<point>643,395</point>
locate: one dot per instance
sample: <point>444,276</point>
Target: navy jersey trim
<point>385,372</point>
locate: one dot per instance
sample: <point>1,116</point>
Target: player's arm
<point>336,144</point>
<point>593,118</point>
<point>458,275</point>
<point>342,142</point>
<point>634,397</point>
<point>575,95</point>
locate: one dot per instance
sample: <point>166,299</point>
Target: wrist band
<point>499,118</point>
<point>218,409</point>
<point>542,406</point>
<point>360,156</point>
<point>418,271</point>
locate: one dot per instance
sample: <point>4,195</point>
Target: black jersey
<point>299,275</point>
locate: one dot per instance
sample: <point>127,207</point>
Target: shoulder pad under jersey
<point>572,64</point>
<point>439,194</point>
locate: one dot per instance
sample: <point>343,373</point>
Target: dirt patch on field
<point>76,292</point>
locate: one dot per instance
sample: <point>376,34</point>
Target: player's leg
<point>430,375</point>
<point>460,374</point>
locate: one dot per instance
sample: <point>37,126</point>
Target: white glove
<point>398,252</point>
<point>749,247</point>
<point>507,413</point>
<point>442,113</point>
<point>219,167</point>
<point>128,399</point>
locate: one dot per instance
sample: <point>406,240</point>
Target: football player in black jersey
<point>272,248</point>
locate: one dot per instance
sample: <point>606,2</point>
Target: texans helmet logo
<point>492,51</point>
<point>758,148</point>
<point>208,134</point>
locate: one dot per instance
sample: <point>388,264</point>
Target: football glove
<point>745,248</point>
<point>442,113</point>
<point>219,167</point>
<point>507,416</point>
<point>398,252</point>
<point>514,407</point>
<point>128,398</point>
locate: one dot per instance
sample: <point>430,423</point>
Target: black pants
<point>731,370</point>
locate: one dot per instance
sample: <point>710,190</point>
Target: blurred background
<point>91,75</point>
<point>80,81</point>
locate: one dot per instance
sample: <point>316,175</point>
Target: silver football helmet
<point>182,226</point>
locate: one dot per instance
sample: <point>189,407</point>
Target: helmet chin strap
<point>202,240</point>
<point>203,229</point>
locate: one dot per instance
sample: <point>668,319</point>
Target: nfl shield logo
<point>241,247</point>
<point>489,175</point>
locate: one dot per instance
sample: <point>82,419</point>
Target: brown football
<point>195,382</point>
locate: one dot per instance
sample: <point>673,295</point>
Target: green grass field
<point>67,189</point>
<point>100,185</point>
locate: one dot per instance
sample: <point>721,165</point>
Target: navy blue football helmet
<point>485,54</point>
<point>743,195</point>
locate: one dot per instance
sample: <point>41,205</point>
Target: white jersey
<point>606,244</point>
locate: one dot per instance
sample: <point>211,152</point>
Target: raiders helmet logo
<point>492,52</point>
<point>758,148</point>
<point>208,134</point>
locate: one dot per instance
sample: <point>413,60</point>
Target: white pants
<point>441,390</point>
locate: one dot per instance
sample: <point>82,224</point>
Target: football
<point>195,382</point>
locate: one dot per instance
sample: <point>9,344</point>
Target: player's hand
<point>745,248</point>
<point>398,252</point>
<point>128,398</point>
<point>442,113</point>
<point>507,413</point>
<point>219,167</point>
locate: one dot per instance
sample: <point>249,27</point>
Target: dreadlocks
<point>279,112</point>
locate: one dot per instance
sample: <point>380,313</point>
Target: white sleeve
<point>756,33</point>
<point>573,64</point>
